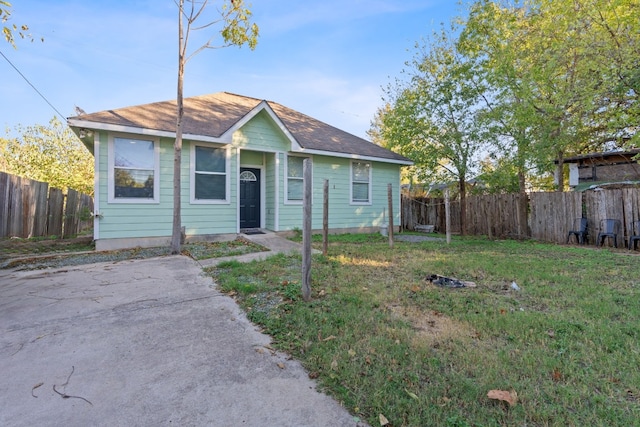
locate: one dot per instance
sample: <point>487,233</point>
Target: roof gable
<point>216,116</point>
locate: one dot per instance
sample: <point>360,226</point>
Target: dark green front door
<point>249,198</point>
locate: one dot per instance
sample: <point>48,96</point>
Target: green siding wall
<point>342,214</point>
<point>261,134</point>
<point>132,219</point>
<point>209,218</point>
<point>270,192</point>
<point>252,158</point>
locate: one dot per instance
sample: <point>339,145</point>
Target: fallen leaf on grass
<point>511,397</point>
<point>329,338</point>
<point>556,375</point>
<point>411,395</point>
<point>383,420</point>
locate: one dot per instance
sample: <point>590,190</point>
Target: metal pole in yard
<point>306,230</point>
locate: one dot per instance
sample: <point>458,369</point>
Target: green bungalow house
<point>241,169</point>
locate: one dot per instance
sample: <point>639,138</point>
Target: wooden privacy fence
<point>31,209</point>
<point>550,216</point>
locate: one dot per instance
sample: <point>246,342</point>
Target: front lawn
<point>390,345</point>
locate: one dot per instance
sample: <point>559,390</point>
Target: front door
<point>249,198</point>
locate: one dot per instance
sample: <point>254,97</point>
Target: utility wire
<point>34,88</point>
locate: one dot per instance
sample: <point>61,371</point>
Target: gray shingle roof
<point>212,115</point>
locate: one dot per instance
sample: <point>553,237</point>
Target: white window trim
<point>286,180</point>
<point>111,170</point>
<point>359,203</point>
<point>192,176</point>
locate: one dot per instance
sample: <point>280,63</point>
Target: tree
<point>432,117</point>
<point>236,30</point>
<point>10,30</point>
<point>562,74</point>
<point>50,154</point>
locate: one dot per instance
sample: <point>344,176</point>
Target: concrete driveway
<point>145,342</point>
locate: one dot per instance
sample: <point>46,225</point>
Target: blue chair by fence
<point>635,238</point>
<point>609,228</point>
<point>580,230</point>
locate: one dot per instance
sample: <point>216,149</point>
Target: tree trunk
<point>176,235</point>
<point>523,207</point>
<point>559,173</point>
<point>463,205</point>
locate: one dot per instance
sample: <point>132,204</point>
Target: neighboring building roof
<point>214,115</point>
<point>607,156</point>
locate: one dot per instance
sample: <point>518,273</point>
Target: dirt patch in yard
<point>432,327</point>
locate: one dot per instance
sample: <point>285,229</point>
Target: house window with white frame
<point>134,170</point>
<point>295,178</point>
<point>360,182</point>
<point>209,174</point>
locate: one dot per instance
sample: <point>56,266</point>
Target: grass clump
<point>383,340</point>
<point>206,250</point>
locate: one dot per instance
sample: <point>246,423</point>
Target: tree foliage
<point>556,78</point>
<point>431,118</point>
<point>9,31</point>
<point>557,86</point>
<point>50,154</point>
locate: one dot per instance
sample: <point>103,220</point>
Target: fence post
<point>447,214</point>
<point>325,217</point>
<point>390,227</point>
<point>306,229</point>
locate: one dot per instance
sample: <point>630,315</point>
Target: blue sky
<point>329,59</point>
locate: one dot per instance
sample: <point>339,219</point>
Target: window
<point>361,182</point>
<point>248,176</point>
<point>294,178</point>
<point>209,174</point>
<point>134,170</point>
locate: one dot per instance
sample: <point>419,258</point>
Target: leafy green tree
<point>432,118</point>
<point>237,30</point>
<point>50,154</point>
<point>562,74</point>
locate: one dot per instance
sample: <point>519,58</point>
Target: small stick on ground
<point>66,396</point>
<point>35,387</point>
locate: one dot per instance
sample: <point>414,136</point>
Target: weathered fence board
<point>4,206</point>
<point>550,215</point>
<point>494,215</point>
<point>31,209</point>
<point>55,212</point>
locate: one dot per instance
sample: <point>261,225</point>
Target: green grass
<point>383,340</point>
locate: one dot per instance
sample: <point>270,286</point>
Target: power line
<point>34,88</point>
